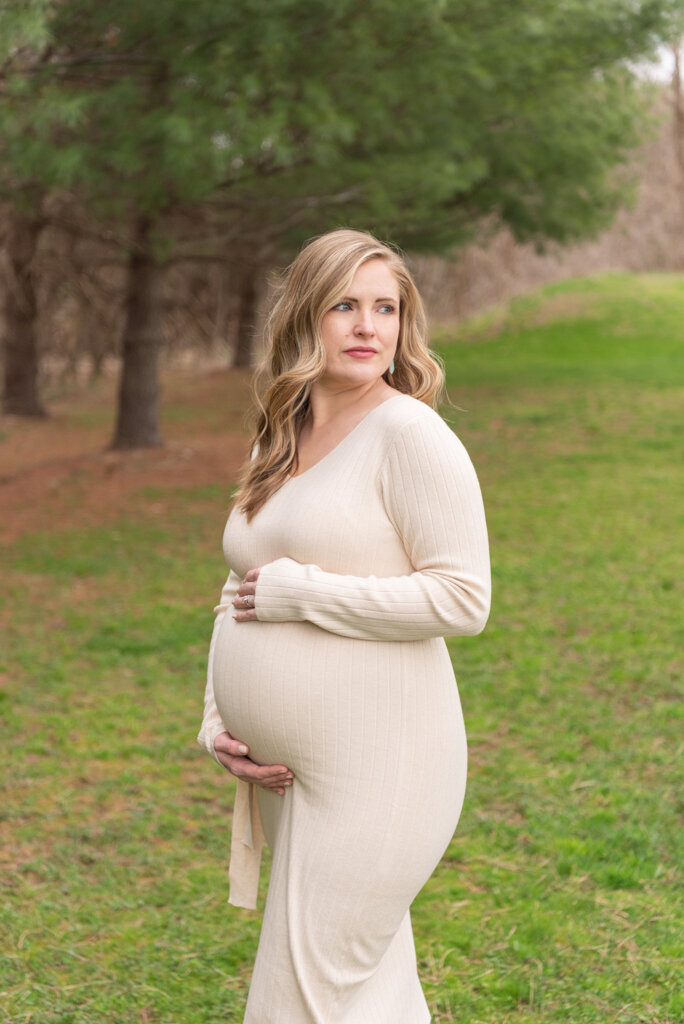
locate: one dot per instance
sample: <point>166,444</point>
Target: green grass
<point>560,898</point>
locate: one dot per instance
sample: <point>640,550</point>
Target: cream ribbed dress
<point>368,560</point>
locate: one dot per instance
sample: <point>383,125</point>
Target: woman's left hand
<point>244,600</point>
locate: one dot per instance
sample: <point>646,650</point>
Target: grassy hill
<point>560,897</point>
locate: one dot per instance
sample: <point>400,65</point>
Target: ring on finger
<point>248,601</point>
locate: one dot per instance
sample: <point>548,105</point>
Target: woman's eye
<point>342,307</point>
<point>387,308</point>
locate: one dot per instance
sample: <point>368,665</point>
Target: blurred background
<point>159,165</point>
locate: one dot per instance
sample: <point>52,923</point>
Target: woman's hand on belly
<point>244,599</point>
<point>232,754</point>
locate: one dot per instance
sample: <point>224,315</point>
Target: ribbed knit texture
<point>368,560</point>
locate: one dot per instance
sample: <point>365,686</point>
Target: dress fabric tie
<point>246,842</point>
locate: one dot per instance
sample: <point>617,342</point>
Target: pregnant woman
<point>357,541</point>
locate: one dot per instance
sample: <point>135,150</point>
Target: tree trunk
<point>678,103</point>
<point>20,395</point>
<point>678,128</point>
<point>138,413</point>
<point>245,319</point>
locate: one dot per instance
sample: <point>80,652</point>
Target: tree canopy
<point>415,117</point>
<point>279,119</point>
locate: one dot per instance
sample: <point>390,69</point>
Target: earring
<point>391,368</point>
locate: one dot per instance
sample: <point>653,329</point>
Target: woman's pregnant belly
<point>266,685</point>
<point>336,708</point>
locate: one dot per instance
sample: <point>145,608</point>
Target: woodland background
<point>213,313</point>
<point>81,296</point>
<point>156,170</point>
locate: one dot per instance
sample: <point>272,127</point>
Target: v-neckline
<point>346,437</point>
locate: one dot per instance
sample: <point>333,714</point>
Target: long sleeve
<point>212,724</point>
<point>432,497</point>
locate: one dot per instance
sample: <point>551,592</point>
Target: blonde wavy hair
<point>317,280</point>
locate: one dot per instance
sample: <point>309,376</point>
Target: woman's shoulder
<point>419,443</point>
<point>404,416</point>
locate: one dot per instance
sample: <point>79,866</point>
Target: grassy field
<point>560,898</point>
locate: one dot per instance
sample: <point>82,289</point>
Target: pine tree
<point>22,42</point>
<point>415,118</point>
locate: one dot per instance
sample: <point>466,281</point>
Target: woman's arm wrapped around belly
<point>432,497</point>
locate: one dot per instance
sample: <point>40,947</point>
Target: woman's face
<point>360,333</point>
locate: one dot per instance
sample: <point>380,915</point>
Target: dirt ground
<point>58,472</point>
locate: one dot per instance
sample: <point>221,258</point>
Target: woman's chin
<point>352,376</point>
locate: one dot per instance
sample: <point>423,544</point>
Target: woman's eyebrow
<point>350,298</point>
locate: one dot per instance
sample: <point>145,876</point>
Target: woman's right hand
<point>233,755</point>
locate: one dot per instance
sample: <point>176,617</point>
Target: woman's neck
<point>328,402</point>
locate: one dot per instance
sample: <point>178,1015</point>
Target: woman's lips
<point>361,353</point>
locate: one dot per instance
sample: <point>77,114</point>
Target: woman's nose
<point>364,322</point>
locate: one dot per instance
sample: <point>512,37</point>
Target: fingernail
<point>242,749</point>
<point>282,771</point>
<point>288,782</point>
